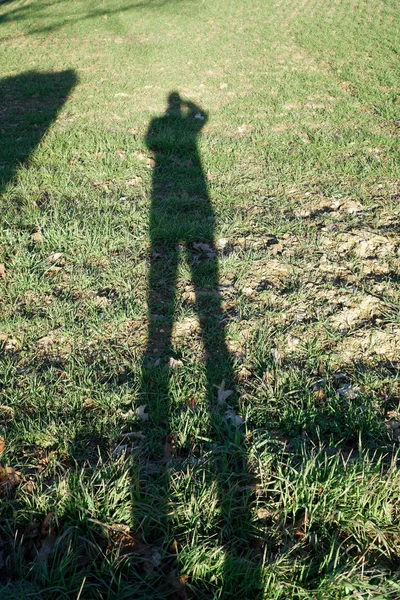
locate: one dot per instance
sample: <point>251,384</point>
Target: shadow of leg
<point>241,577</point>
<point>150,497</point>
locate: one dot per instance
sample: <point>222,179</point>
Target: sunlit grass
<point>300,154</point>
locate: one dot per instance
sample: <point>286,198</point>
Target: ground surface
<point>199,309</point>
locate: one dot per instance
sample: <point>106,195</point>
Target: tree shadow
<point>29,104</point>
<point>26,12</point>
<point>182,225</point>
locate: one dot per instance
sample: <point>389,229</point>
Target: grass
<point>199,311</point>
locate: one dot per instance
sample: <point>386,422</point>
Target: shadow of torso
<point>181,210</point>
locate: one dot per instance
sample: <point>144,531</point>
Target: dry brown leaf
<point>174,547</point>
<point>202,246</point>
<point>141,414</point>
<point>320,394</point>
<point>300,526</point>
<point>37,237</point>
<point>292,342</point>
<point>8,343</point>
<point>29,487</point>
<point>222,243</point>
<point>2,444</point>
<point>90,404</point>
<point>47,340</point>
<point>276,249</point>
<point>232,416</point>
<point>6,413</point>
<point>244,374</point>
<point>192,402</point>
<point>9,478</point>
<point>134,181</point>
<point>179,585</point>
<point>276,356</point>
<point>173,363</point>
<point>135,435</point>
<point>167,451</point>
<point>2,271</point>
<point>223,394</point>
<point>346,391</point>
<point>46,547</point>
<point>56,257</point>
<point>248,291</point>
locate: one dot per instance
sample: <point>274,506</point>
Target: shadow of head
<point>29,104</point>
<point>185,113</point>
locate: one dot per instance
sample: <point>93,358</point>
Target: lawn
<point>199,299</point>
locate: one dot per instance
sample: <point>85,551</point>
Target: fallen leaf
<point>6,413</point>
<point>2,444</point>
<point>222,243</point>
<point>232,416</point>
<point>203,247</point>
<point>192,402</point>
<point>174,547</point>
<point>47,340</point>
<point>277,358</point>
<point>120,450</point>
<point>46,548</point>
<point>90,404</point>
<point>37,237</point>
<point>128,415</point>
<point>263,513</point>
<point>141,414</point>
<point>276,249</point>
<point>244,374</point>
<point>55,257</point>
<point>2,271</point>
<point>167,451</point>
<point>174,364</point>
<point>134,181</point>
<point>29,487</point>
<point>179,585</point>
<point>9,478</point>
<point>320,394</point>
<point>47,538</point>
<point>223,394</point>
<point>136,435</point>
<point>300,526</point>
<point>292,343</point>
<point>347,392</point>
<point>248,291</point>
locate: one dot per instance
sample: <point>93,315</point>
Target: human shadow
<point>182,224</point>
<point>29,104</point>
